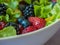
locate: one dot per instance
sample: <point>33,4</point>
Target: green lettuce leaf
<point>17,14</point>
<point>37,10</point>
<point>28,1</point>
<point>36,3</point>
<point>6,18</point>
<point>56,11</point>
<point>9,11</point>
<point>7,1</point>
<point>7,31</point>
<point>13,4</point>
<point>42,11</point>
<point>48,23</point>
<point>1,18</point>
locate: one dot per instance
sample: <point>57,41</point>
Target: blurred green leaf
<point>42,11</point>
<point>13,4</point>
<point>1,18</point>
<point>7,31</point>
<point>17,15</point>
<point>9,11</point>
<point>45,2</point>
<point>37,10</point>
<point>36,3</point>
<point>45,10</point>
<point>48,23</point>
<point>6,18</point>
<point>28,1</point>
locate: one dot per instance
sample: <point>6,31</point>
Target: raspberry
<point>2,25</point>
<point>37,22</point>
<point>28,29</point>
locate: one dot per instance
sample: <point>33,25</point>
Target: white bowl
<point>38,37</point>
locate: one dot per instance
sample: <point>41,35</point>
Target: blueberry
<point>19,20</point>
<point>24,22</point>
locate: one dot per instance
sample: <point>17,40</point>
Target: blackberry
<point>22,5</point>
<point>29,11</point>
<point>3,9</point>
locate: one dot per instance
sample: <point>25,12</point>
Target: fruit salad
<point>23,16</point>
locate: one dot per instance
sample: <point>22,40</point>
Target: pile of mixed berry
<point>24,16</point>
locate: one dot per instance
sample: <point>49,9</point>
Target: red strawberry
<point>2,24</point>
<point>28,29</point>
<point>37,22</point>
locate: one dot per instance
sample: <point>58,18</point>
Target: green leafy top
<point>42,11</point>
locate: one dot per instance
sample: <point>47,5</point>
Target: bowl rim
<point>30,33</point>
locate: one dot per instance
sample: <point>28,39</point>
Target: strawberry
<point>28,29</point>
<point>2,25</point>
<point>37,22</point>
